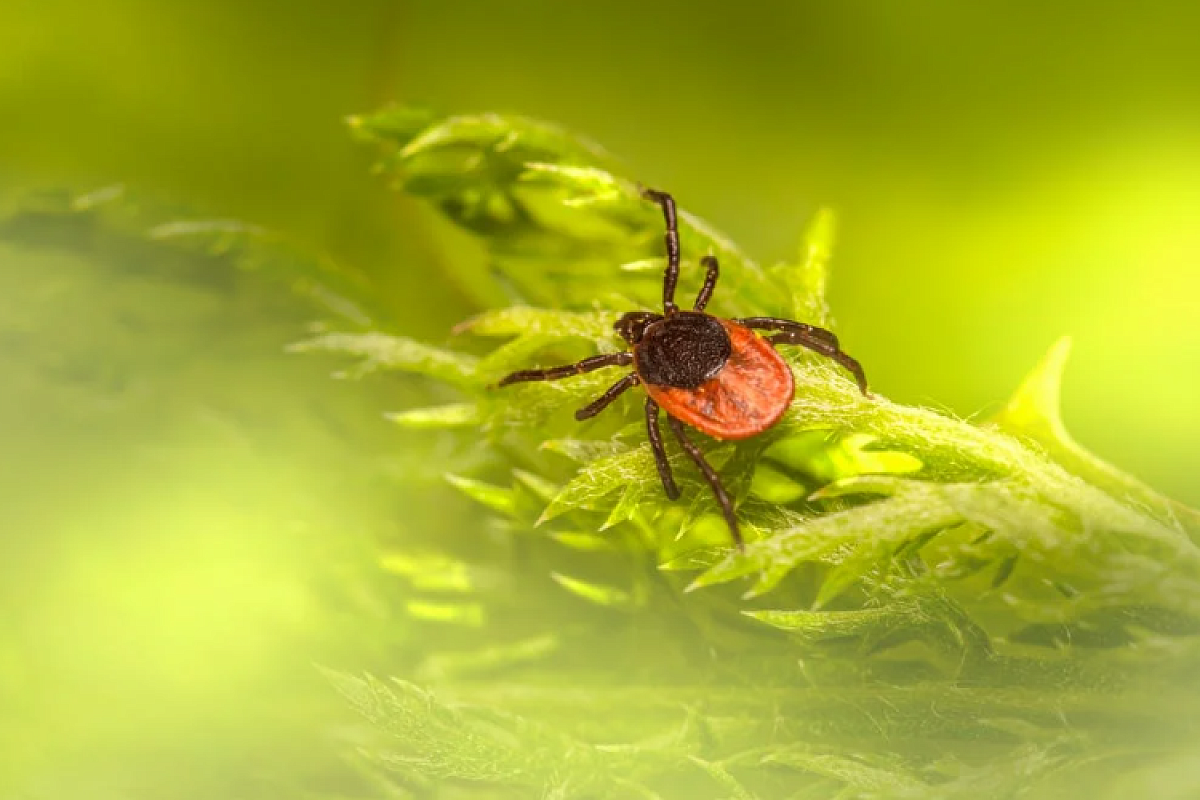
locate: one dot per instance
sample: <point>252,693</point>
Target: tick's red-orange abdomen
<point>748,395</point>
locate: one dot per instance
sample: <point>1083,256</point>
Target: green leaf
<point>467,614</point>
<point>399,124</point>
<point>584,450</point>
<point>380,352</point>
<point>456,415</point>
<point>1034,411</point>
<point>585,542</point>
<point>871,530</point>
<point>597,593</point>
<point>496,498</point>
<point>602,477</point>
<point>541,488</point>
<point>876,780</point>
<point>429,572</point>
<point>252,248</point>
<point>626,507</point>
<point>438,740</point>
<point>726,779</point>
<point>441,666</point>
<point>524,321</point>
<point>806,280</point>
<point>818,625</point>
<point>554,216</point>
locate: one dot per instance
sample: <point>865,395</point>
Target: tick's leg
<point>825,348</point>
<point>672,240</point>
<point>710,475</point>
<point>602,402</point>
<point>632,325</point>
<point>816,339</point>
<point>777,324</point>
<point>660,453</point>
<point>567,370</point>
<point>711,271</point>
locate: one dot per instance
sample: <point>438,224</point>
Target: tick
<point>715,375</point>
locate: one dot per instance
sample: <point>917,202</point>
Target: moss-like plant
<point>926,607</point>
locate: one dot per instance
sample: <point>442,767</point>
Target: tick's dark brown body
<point>744,394</point>
<point>683,350</point>
<point>716,375</point>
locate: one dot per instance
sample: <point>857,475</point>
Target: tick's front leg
<point>567,370</point>
<point>605,400</point>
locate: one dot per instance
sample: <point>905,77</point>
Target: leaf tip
<point>464,326</point>
<point>1035,407</point>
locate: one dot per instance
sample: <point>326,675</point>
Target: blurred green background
<point>1004,173</point>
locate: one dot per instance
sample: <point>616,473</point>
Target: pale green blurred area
<point>1004,173</point>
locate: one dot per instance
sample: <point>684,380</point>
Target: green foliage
<point>177,492</point>
<point>927,607</point>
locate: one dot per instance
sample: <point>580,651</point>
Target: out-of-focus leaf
<point>487,659</point>
<point>824,624</point>
<point>496,498</point>
<point>585,542</point>
<point>468,614</point>
<point>541,488</point>
<point>380,352</point>
<point>457,415</point>
<point>724,778</point>
<point>597,593</point>
<point>429,572</point>
<point>806,279</point>
<point>1035,411</point>
<point>521,321</point>
<point>864,779</point>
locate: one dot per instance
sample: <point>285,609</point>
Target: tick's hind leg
<point>825,349</point>
<point>791,325</point>
<point>605,400</point>
<point>654,434</point>
<point>567,370</point>
<point>710,475</point>
<point>816,339</point>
